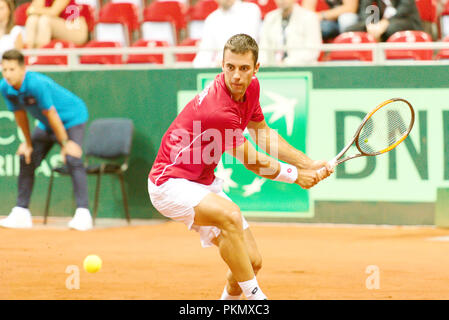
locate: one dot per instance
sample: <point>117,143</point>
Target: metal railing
<point>169,54</point>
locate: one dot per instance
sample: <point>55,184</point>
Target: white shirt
<point>303,30</point>
<point>7,41</point>
<point>220,25</point>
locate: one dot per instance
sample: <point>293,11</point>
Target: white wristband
<point>288,173</point>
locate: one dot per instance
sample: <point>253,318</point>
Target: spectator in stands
<point>10,35</point>
<point>232,17</point>
<point>340,15</point>
<point>54,19</point>
<point>390,17</point>
<point>294,27</point>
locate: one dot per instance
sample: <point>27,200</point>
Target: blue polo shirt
<point>39,92</point>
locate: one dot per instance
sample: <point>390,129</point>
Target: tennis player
<point>62,118</point>
<point>182,185</point>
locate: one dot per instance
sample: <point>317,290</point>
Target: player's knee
<point>233,219</point>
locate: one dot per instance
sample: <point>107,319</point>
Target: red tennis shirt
<point>210,124</point>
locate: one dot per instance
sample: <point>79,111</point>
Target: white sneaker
<point>82,220</point>
<point>18,218</point>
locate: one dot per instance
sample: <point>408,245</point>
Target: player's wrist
<point>288,173</point>
<point>64,142</point>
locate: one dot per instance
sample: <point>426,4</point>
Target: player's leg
<point>82,219</point>
<point>222,213</point>
<point>232,289</point>
<point>20,216</point>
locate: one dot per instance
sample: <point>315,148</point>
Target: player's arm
<point>25,148</point>
<point>269,168</point>
<point>272,143</point>
<point>68,147</point>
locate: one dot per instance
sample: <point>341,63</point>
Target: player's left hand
<point>72,149</point>
<point>319,164</point>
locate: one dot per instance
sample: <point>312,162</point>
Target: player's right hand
<point>26,151</point>
<point>307,178</point>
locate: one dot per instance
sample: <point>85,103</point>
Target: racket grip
<point>333,164</point>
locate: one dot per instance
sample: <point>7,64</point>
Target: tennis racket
<point>382,130</point>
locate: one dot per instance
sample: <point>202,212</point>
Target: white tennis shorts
<point>176,198</point>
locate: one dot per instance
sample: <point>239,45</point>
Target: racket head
<point>384,128</point>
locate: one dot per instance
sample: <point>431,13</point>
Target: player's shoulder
<point>4,86</point>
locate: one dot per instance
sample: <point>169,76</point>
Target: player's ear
<point>256,68</point>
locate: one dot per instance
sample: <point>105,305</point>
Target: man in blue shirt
<point>62,118</point>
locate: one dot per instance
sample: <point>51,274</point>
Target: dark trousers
<point>396,24</point>
<point>43,141</point>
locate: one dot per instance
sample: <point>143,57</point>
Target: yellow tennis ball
<point>92,263</point>
<point>366,140</point>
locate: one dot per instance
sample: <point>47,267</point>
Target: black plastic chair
<point>109,142</point>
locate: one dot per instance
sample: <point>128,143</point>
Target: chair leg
<point>97,193</point>
<point>47,203</point>
<point>124,197</point>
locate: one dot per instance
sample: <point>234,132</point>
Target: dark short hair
<point>241,44</point>
<point>14,54</point>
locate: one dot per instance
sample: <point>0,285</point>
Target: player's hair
<point>14,54</point>
<point>241,44</point>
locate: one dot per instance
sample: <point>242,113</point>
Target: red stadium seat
<point>117,22</point>
<point>20,16</point>
<point>427,10</point>
<point>101,59</point>
<point>355,38</point>
<point>409,54</point>
<point>187,57</point>
<point>196,15</point>
<point>321,5</point>
<point>52,60</point>
<point>162,11</point>
<point>147,58</point>
<point>265,6</point>
<point>443,54</point>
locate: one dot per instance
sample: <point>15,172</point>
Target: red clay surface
<point>165,261</point>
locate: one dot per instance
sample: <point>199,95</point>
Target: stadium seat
<point>409,54</point>
<point>265,6</point>
<point>353,38</point>
<point>187,57</point>
<point>163,20</point>
<point>147,58</point>
<point>117,22</point>
<point>138,3</point>
<point>196,15</point>
<point>52,60</point>
<point>427,10</point>
<point>443,54</point>
<point>101,59</point>
<point>321,5</point>
<point>20,16</point>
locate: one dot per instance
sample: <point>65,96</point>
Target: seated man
<point>340,15</point>
<point>390,17</point>
<point>294,27</point>
<point>62,118</point>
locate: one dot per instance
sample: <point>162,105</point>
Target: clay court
<point>165,261</point>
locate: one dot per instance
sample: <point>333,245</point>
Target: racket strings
<point>385,127</point>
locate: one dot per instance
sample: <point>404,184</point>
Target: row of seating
<point>410,36</point>
<point>337,55</point>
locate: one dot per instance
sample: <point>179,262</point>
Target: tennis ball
<point>366,140</point>
<point>92,263</point>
